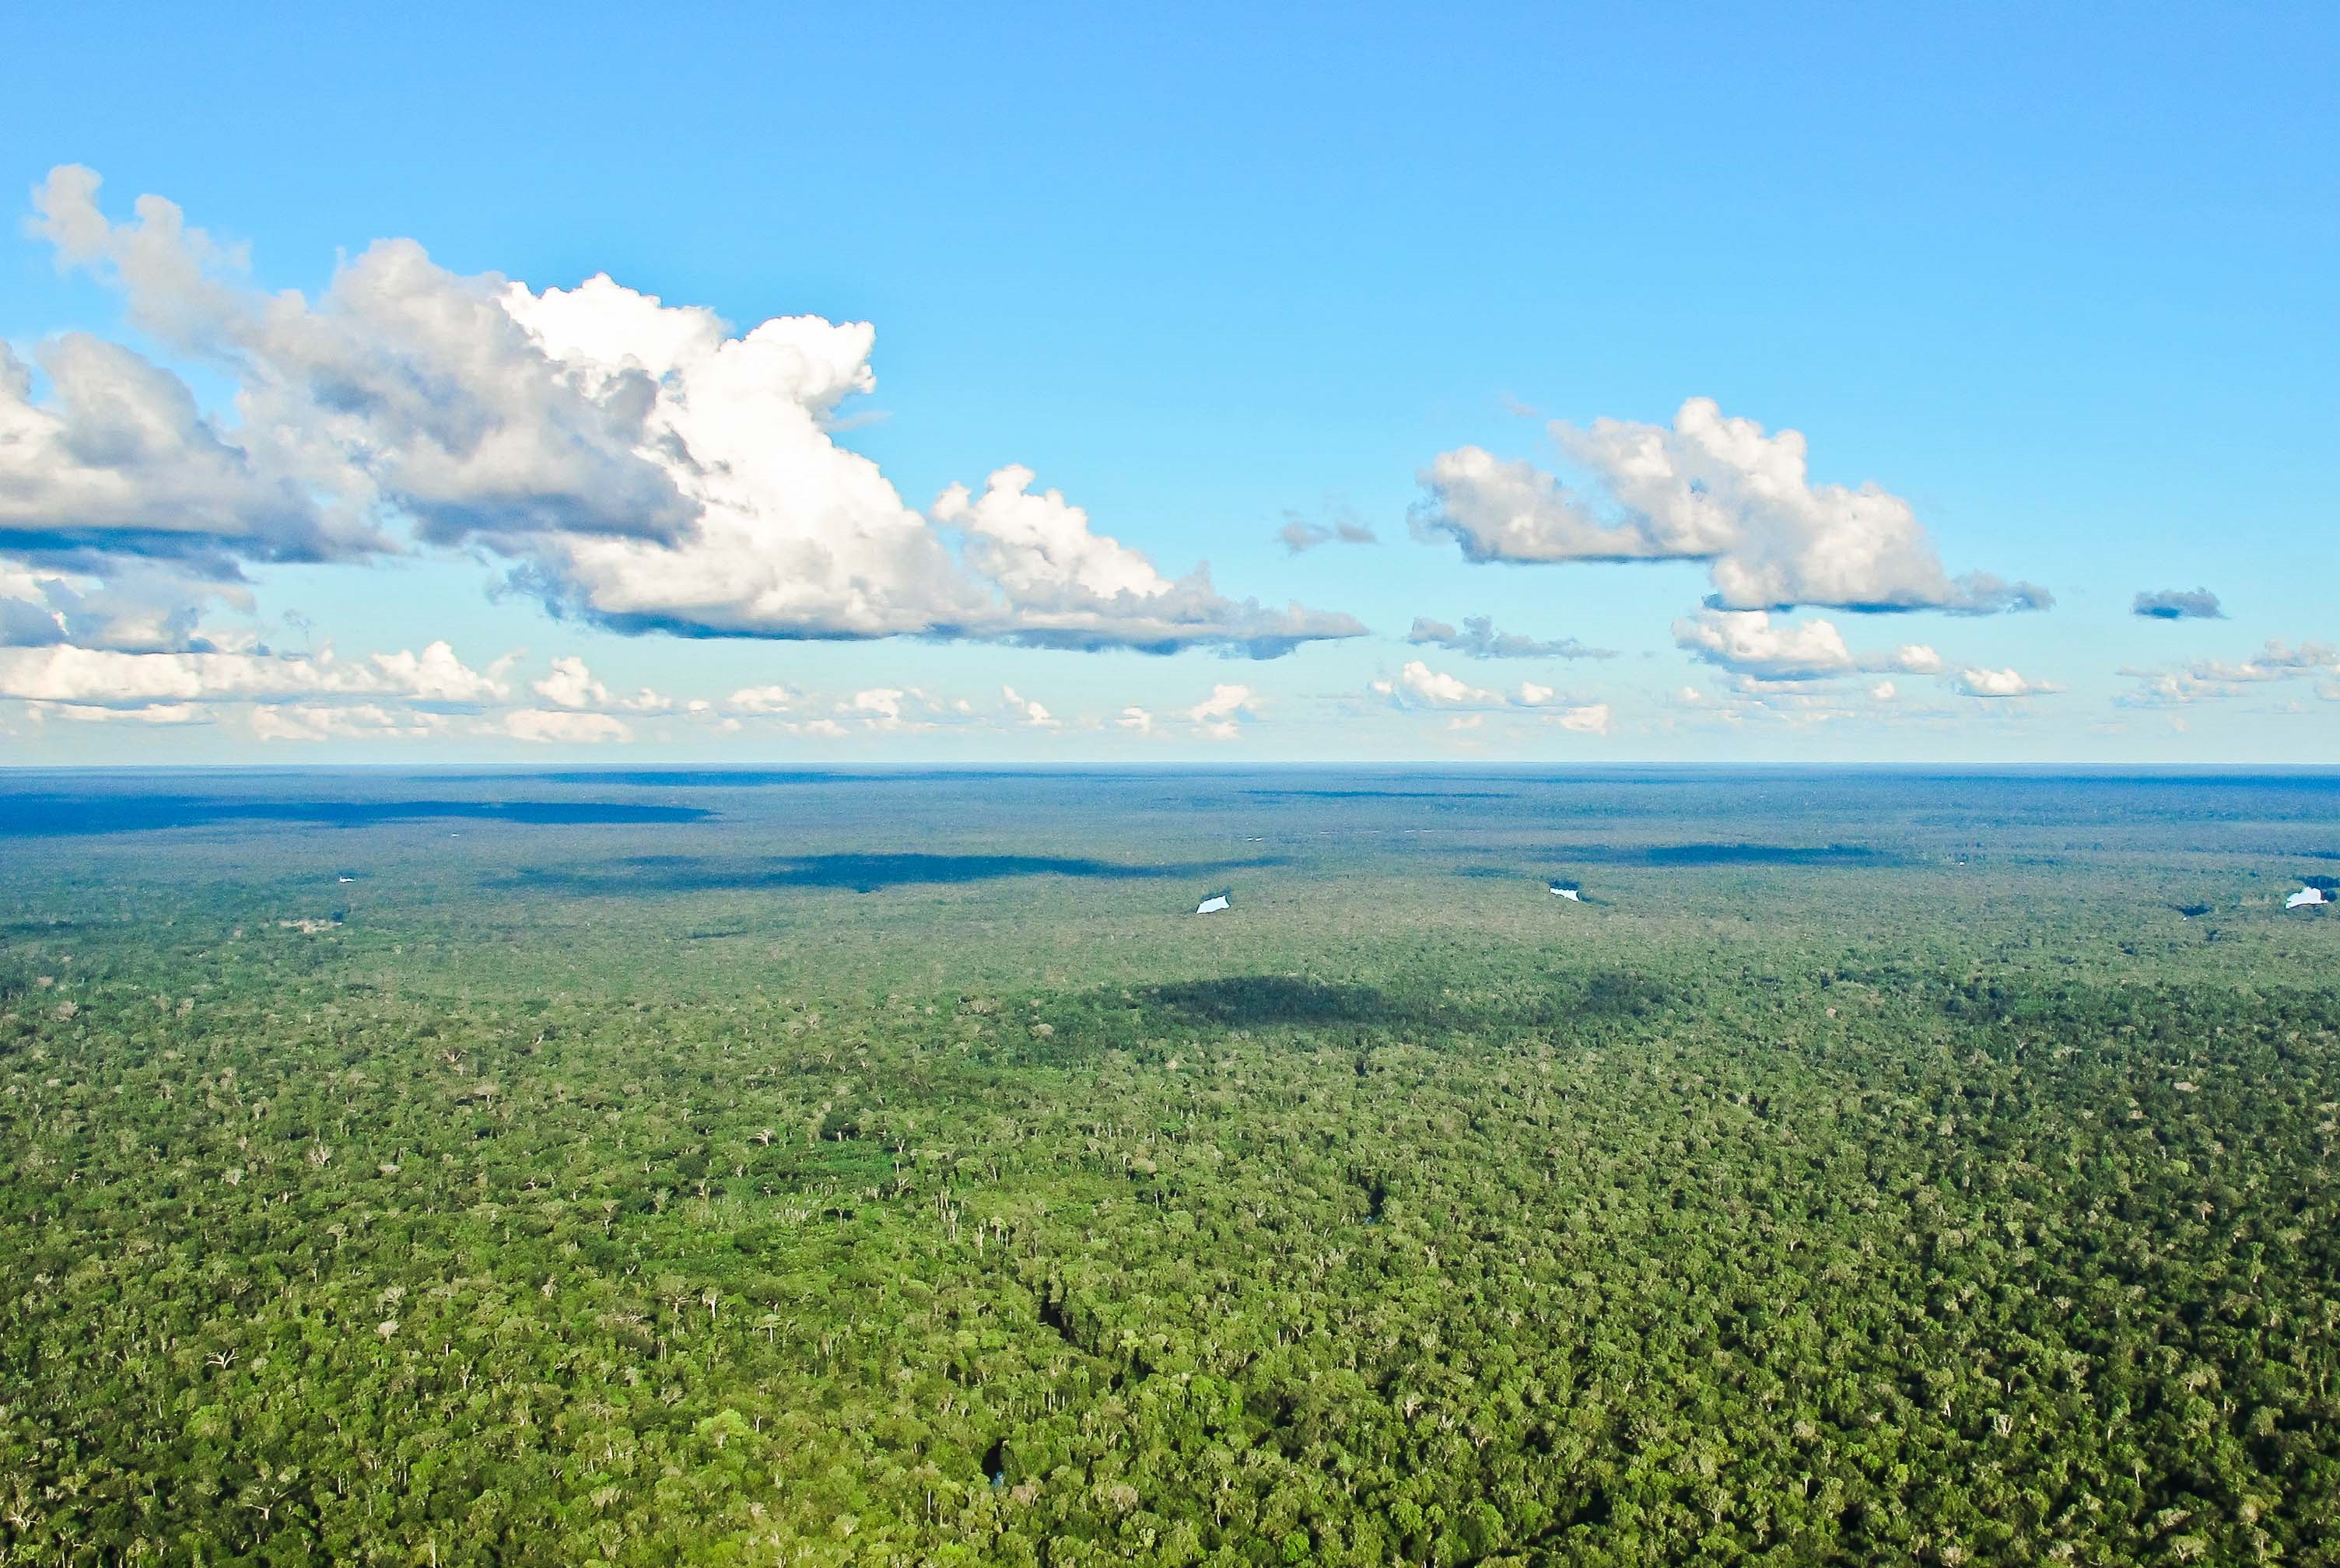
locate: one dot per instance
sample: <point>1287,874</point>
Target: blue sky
<point>2058,286</point>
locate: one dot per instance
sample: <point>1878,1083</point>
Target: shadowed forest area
<point>658,1168</point>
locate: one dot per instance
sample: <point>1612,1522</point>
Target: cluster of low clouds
<point>1726,494</point>
<point>433,693</point>
<point>647,469</point>
<point>2315,666</point>
<point>2218,679</point>
<point>1221,715</point>
<point>1758,650</point>
<point>170,688</point>
<point>1419,688</point>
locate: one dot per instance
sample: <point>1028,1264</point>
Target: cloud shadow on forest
<point>1265,1001</point>
<point>1381,794</point>
<point>57,816</point>
<point>656,874</point>
<point>1675,855</point>
<point>1249,1001</point>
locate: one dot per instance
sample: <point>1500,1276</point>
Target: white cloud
<point>639,466</point>
<point>2215,680</point>
<point>360,721</point>
<point>1713,488</point>
<point>761,701</point>
<point>1137,718</point>
<point>2178,604</point>
<point>1418,686</point>
<point>882,705</point>
<point>1480,639</point>
<point>2278,661</point>
<point>160,713</point>
<point>1024,712</point>
<point>1591,720</point>
<point>1997,683</point>
<point>1221,715</point>
<point>573,685</point>
<point>139,606</point>
<point>905,708</point>
<point>562,726</point>
<point>120,458</point>
<point>1341,526</point>
<point>2165,690</point>
<point>100,677</point>
<point>1751,642</point>
<point>1883,691</point>
<point>436,675</point>
<point>1756,647</point>
<point>1071,586</point>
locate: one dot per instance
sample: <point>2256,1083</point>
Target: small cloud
<point>1220,715</point>
<point>107,679</point>
<point>163,714</point>
<point>2214,680</point>
<point>1026,713</point>
<point>363,721</point>
<point>1987,593</point>
<point>1135,718</point>
<point>1341,525</point>
<point>1478,639</point>
<point>571,685</point>
<point>1998,683</point>
<point>880,707</point>
<point>1758,650</point>
<point>562,726</point>
<point>1591,720</point>
<point>2178,604</point>
<point>763,701</point>
<point>1419,687</point>
<point>1751,644</point>
<point>1883,691</point>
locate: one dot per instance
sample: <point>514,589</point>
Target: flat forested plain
<point>646,1169</point>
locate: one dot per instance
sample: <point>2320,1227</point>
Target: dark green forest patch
<point>1941,1214</point>
<point>668,874</point>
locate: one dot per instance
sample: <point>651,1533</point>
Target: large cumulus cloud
<point>1713,488</point>
<point>637,463</point>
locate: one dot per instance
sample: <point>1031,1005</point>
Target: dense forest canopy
<point>794,1167</point>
